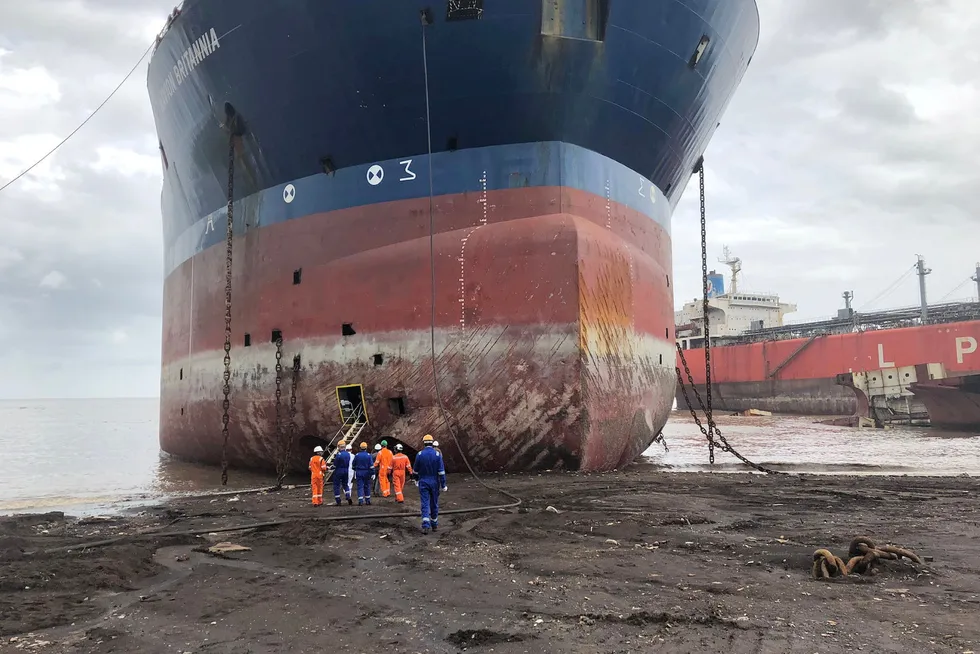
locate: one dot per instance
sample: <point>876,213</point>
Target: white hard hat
<point>349,447</point>
<point>377,448</point>
<point>435,443</point>
<point>318,450</point>
<point>399,447</point>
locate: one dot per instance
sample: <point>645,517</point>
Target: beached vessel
<point>480,190</point>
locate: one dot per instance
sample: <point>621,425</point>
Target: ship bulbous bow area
<point>513,152</point>
<point>573,381</point>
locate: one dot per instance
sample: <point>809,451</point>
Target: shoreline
<point>640,559</point>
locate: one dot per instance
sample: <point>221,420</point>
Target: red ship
<point>800,368</point>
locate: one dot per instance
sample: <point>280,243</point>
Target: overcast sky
<point>849,148</point>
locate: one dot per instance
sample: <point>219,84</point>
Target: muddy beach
<point>639,560</point>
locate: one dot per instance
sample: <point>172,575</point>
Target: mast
<point>922,271</point>
<point>976,278</point>
<point>735,264</point>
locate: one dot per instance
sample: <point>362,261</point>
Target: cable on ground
<point>267,524</point>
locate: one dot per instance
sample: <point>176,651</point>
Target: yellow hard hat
<point>363,446</point>
<point>342,444</point>
<point>427,438</point>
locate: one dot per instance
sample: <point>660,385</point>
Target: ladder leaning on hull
<point>350,430</point>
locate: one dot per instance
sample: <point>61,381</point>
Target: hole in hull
<point>396,406</point>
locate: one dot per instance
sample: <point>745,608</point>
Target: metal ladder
<point>351,429</point>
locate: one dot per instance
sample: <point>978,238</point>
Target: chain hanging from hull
<point>283,464</point>
<point>229,239</point>
<point>711,433</point>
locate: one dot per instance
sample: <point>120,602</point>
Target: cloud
<point>848,148</point>
<point>24,89</point>
<point>54,280</point>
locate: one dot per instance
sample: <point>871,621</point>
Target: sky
<point>848,149</point>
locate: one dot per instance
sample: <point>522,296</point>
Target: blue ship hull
<point>545,138</point>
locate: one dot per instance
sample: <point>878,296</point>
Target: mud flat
<point>639,560</point>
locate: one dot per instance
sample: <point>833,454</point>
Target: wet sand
<point>639,560</point>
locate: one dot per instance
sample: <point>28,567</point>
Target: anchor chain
<point>229,239</point>
<point>712,434</point>
<point>704,313</point>
<point>862,556</point>
<point>291,432</point>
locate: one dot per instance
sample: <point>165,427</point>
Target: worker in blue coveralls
<point>431,476</point>
<point>364,475</point>
<point>341,473</point>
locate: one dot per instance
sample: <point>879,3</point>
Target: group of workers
<point>384,467</point>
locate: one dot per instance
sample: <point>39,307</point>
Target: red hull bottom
<point>552,345</point>
<point>516,401</point>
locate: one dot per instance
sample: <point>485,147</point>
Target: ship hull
<point>468,233</point>
<point>551,355</point>
<point>794,376</point>
<point>953,404</point>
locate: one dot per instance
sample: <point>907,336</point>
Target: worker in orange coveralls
<point>400,464</point>
<point>318,466</point>
<point>383,464</point>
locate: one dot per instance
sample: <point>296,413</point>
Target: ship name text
<point>188,60</point>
